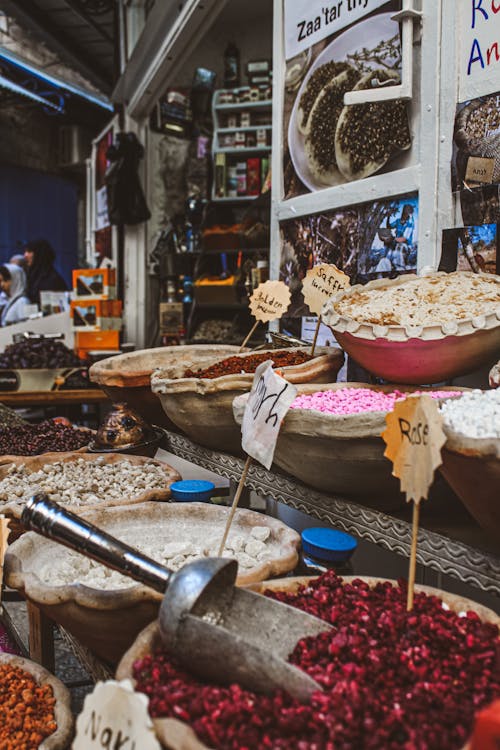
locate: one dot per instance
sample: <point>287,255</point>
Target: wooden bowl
<point>174,734</point>
<point>202,407</point>
<point>341,454</point>
<point>107,621</point>
<point>60,739</point>
<point>126,377</point>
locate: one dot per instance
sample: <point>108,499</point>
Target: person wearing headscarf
<point>42,276</point>
<point>13,283</point>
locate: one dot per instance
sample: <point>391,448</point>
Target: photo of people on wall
<point>472,248</point>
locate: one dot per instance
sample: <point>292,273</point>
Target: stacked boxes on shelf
<point>96,316</point>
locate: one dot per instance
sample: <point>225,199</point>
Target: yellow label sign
<point>480,169</point>
<point>414,438</point>
<point>321,283</point>
<point>270,300</point>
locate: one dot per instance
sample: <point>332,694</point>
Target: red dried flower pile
<point>248,364</point>
<point>392,680</point>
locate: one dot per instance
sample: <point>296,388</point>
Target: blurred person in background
<point>42,276</point>
<point>13,284</point>
<point>19,260</point>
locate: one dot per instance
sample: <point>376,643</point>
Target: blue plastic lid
<point>192,489</point>
<point>328,544</point>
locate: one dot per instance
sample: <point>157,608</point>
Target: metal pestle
<point>218,631</point>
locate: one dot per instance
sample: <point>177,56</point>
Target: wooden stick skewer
<point>252,331</point>
<point>236,500</point>
<point>315,336</point>
<point>413,556</point>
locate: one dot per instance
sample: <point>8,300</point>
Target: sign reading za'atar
<point>321,283</point>
<point>270,300</point>
<point>310,21</point>
<point>414,437</point>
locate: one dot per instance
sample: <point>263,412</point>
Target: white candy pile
<point>475,415</point>
<point>70,567</point>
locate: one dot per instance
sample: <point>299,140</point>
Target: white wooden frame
<point>432,113</point>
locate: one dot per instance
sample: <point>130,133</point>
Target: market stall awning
<point>27,79</point>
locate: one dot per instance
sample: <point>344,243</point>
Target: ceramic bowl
<point>202,408</point>
<point>61,738</point>
<point>126,377</point>
<point>415,355</point>
<point>174,734</point>
<point>107,621</point>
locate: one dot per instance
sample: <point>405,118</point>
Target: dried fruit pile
<point>26,710</point>
<point>38,354</point>
<point>50,435</point>
<point>238,365</point>
<point>392,679</point>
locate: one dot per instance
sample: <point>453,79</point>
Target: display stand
<point>456,547</point>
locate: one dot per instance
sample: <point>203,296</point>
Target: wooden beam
<point>36,21</point>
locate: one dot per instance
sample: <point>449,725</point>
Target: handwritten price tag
<point>114,717</point>
<point>321,283</point>
<point>414,438</point>
<point>270,300</point>
<point>269,400</point>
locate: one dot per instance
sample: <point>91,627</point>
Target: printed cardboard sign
<point>321,283</point>
<point>414,438</point>
<point>269,301</point>
<point>479,169</point>
<point>113,717</point>
<point>269,400</point>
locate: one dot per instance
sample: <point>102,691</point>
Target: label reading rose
<point>269,301</point>
<point>321,283</point>
<point>414,438</point>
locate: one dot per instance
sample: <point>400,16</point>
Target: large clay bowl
<point>174,734</point>
<point>60,739</point>
<point>341,454</point>
<point>472,469</point>
<point>202,408</point>
<point>416,354</point>
<point>126,377</point>
<point>108,621</point>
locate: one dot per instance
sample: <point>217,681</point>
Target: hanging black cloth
<point>126,202</point>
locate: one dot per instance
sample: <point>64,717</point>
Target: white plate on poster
<point>366,34</point>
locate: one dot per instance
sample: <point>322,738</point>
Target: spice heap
<point>26,710</point>
<point>191,544</point>
<point>10,418</point>
<point>50,435</point>
<point>248,364</point>
<point>358,400</point>
<point>83,482</point>
<point>427,300</point>
<point>392,679</point>
<point>34,354</point>
<point>475,415</point>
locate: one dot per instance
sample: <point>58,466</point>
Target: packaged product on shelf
<point>232,182</point>
<point>241,177</point>
<point>94,283</point>
<point>253,176</point>
<point>220,175</point>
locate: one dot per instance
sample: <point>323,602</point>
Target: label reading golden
<point>270,300</point>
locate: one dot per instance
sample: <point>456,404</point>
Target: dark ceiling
<point>81,32</point>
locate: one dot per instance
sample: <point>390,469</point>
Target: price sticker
<point>270,300</point>
<point>269,400</point>
<point>321,283</point>
<point>414,438</point>
<point>114,717</point>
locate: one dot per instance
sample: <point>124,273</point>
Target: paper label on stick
<point>270,300</point>
<point>114,716</point>
<point>321,283</point>
<point>414,438</point>
<point>269,400</point>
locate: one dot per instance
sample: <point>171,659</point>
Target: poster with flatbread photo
<point>330,51</point>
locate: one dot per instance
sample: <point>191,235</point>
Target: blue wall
<point>33,205</point>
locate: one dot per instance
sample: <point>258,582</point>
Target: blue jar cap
<point>192,489</point>
<point>328,544</point>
